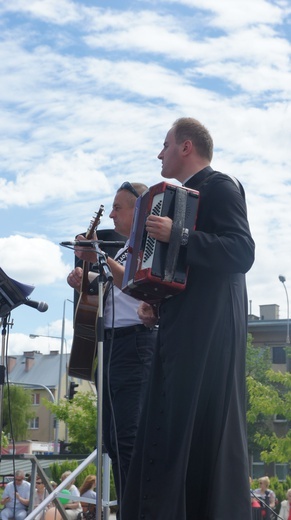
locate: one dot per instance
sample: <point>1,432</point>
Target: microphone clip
<point>102,267</point>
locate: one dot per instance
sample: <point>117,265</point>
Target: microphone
<point>83,243</point>
<point>93,243</point>
<point>40,306</point>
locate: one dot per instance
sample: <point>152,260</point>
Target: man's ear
<point>187,147</point>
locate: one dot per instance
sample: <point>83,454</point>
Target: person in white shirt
<point>128,360</point>
<point>285,509</point>
<point>263,492</point>
<point>15,498</point>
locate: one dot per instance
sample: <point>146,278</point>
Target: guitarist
<point>133,344</point>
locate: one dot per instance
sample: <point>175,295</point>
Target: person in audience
<point>40,494</point>
<point>285,509</point>
<point>264,493</point>
<point>72,507</point>
<point>15,498</point>
<point>87,491</point>
<point>254,501</point>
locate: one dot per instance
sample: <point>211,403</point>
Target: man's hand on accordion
<point>159,227</point>
<point>148,315</point>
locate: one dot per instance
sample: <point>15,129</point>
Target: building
<point>47,378</point>
<point>269,331</point>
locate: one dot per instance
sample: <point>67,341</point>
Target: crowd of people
<point>17,493</point>
<point>264,499</point>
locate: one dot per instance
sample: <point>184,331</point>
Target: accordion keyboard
<point>150,243</point>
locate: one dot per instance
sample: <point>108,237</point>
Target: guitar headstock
<point>95,222</point>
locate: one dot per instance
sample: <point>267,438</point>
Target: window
<point>278,355</point>
<point>281,471</point>
<point>257,465</point>
<point>33,424</point>
<point>35,398</point>
<point>280,418</point>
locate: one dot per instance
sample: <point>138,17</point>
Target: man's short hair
<point>188,128</point>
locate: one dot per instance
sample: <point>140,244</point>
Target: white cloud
<point>231,15</point>
<point>88,95</point>
<point>41,260</point>
<point>19,343</point>
<point>55,11</point>
<point>53,179</point>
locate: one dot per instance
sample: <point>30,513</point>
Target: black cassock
<point>190,459</point>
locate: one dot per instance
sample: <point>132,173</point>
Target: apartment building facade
<point>46,377</point>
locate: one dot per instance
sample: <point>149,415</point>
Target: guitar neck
<point>89,234</point>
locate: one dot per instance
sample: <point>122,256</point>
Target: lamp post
<point>63,342</point>
<point>283,280</point>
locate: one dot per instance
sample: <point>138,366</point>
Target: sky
<point>88,92</point>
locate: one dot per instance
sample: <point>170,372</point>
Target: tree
<point>269,395</point>
<point>16,411</point>
<point>4,440</point>
<point>258,362</point>
<point>80,415</point>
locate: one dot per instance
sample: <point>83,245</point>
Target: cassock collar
<point>198,178</point>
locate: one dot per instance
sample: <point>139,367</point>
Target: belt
<point>120,332</point>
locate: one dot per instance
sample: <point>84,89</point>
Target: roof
<point>44,369</point>
<point>7,467</point>
<point>9,464</point>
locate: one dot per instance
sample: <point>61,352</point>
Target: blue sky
<point>88,91</point>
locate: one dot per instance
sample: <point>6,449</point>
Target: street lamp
<point>63,342</point>
<point>283,280</point>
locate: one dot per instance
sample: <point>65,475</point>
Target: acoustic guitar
<point>83,352</point>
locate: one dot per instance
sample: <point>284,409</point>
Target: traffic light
<point>72,390</point>
<point>65,447</point>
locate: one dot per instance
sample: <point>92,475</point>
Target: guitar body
<point>84,346</point>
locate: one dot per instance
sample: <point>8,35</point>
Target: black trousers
<point>125,378</point>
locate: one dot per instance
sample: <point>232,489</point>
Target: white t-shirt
<point>24,491</point>
<point>125,307</point>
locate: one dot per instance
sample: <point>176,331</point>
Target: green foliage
<point>269,394</point>
<point>16,411</point>
<point>4,440</point>
<point>80,415</point>
<point>258,362</point>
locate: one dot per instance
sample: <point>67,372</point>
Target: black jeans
<point>127,375</point>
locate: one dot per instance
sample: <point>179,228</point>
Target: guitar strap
<point>120,258</point>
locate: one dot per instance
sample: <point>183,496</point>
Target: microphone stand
<point>105,275</point>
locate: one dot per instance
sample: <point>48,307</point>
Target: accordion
<point>156,270</point>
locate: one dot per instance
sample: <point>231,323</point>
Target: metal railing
<point>54,494</point>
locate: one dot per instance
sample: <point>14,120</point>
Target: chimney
<point>29,359</point>
<point>11,363</point>
<point>269,312</point>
